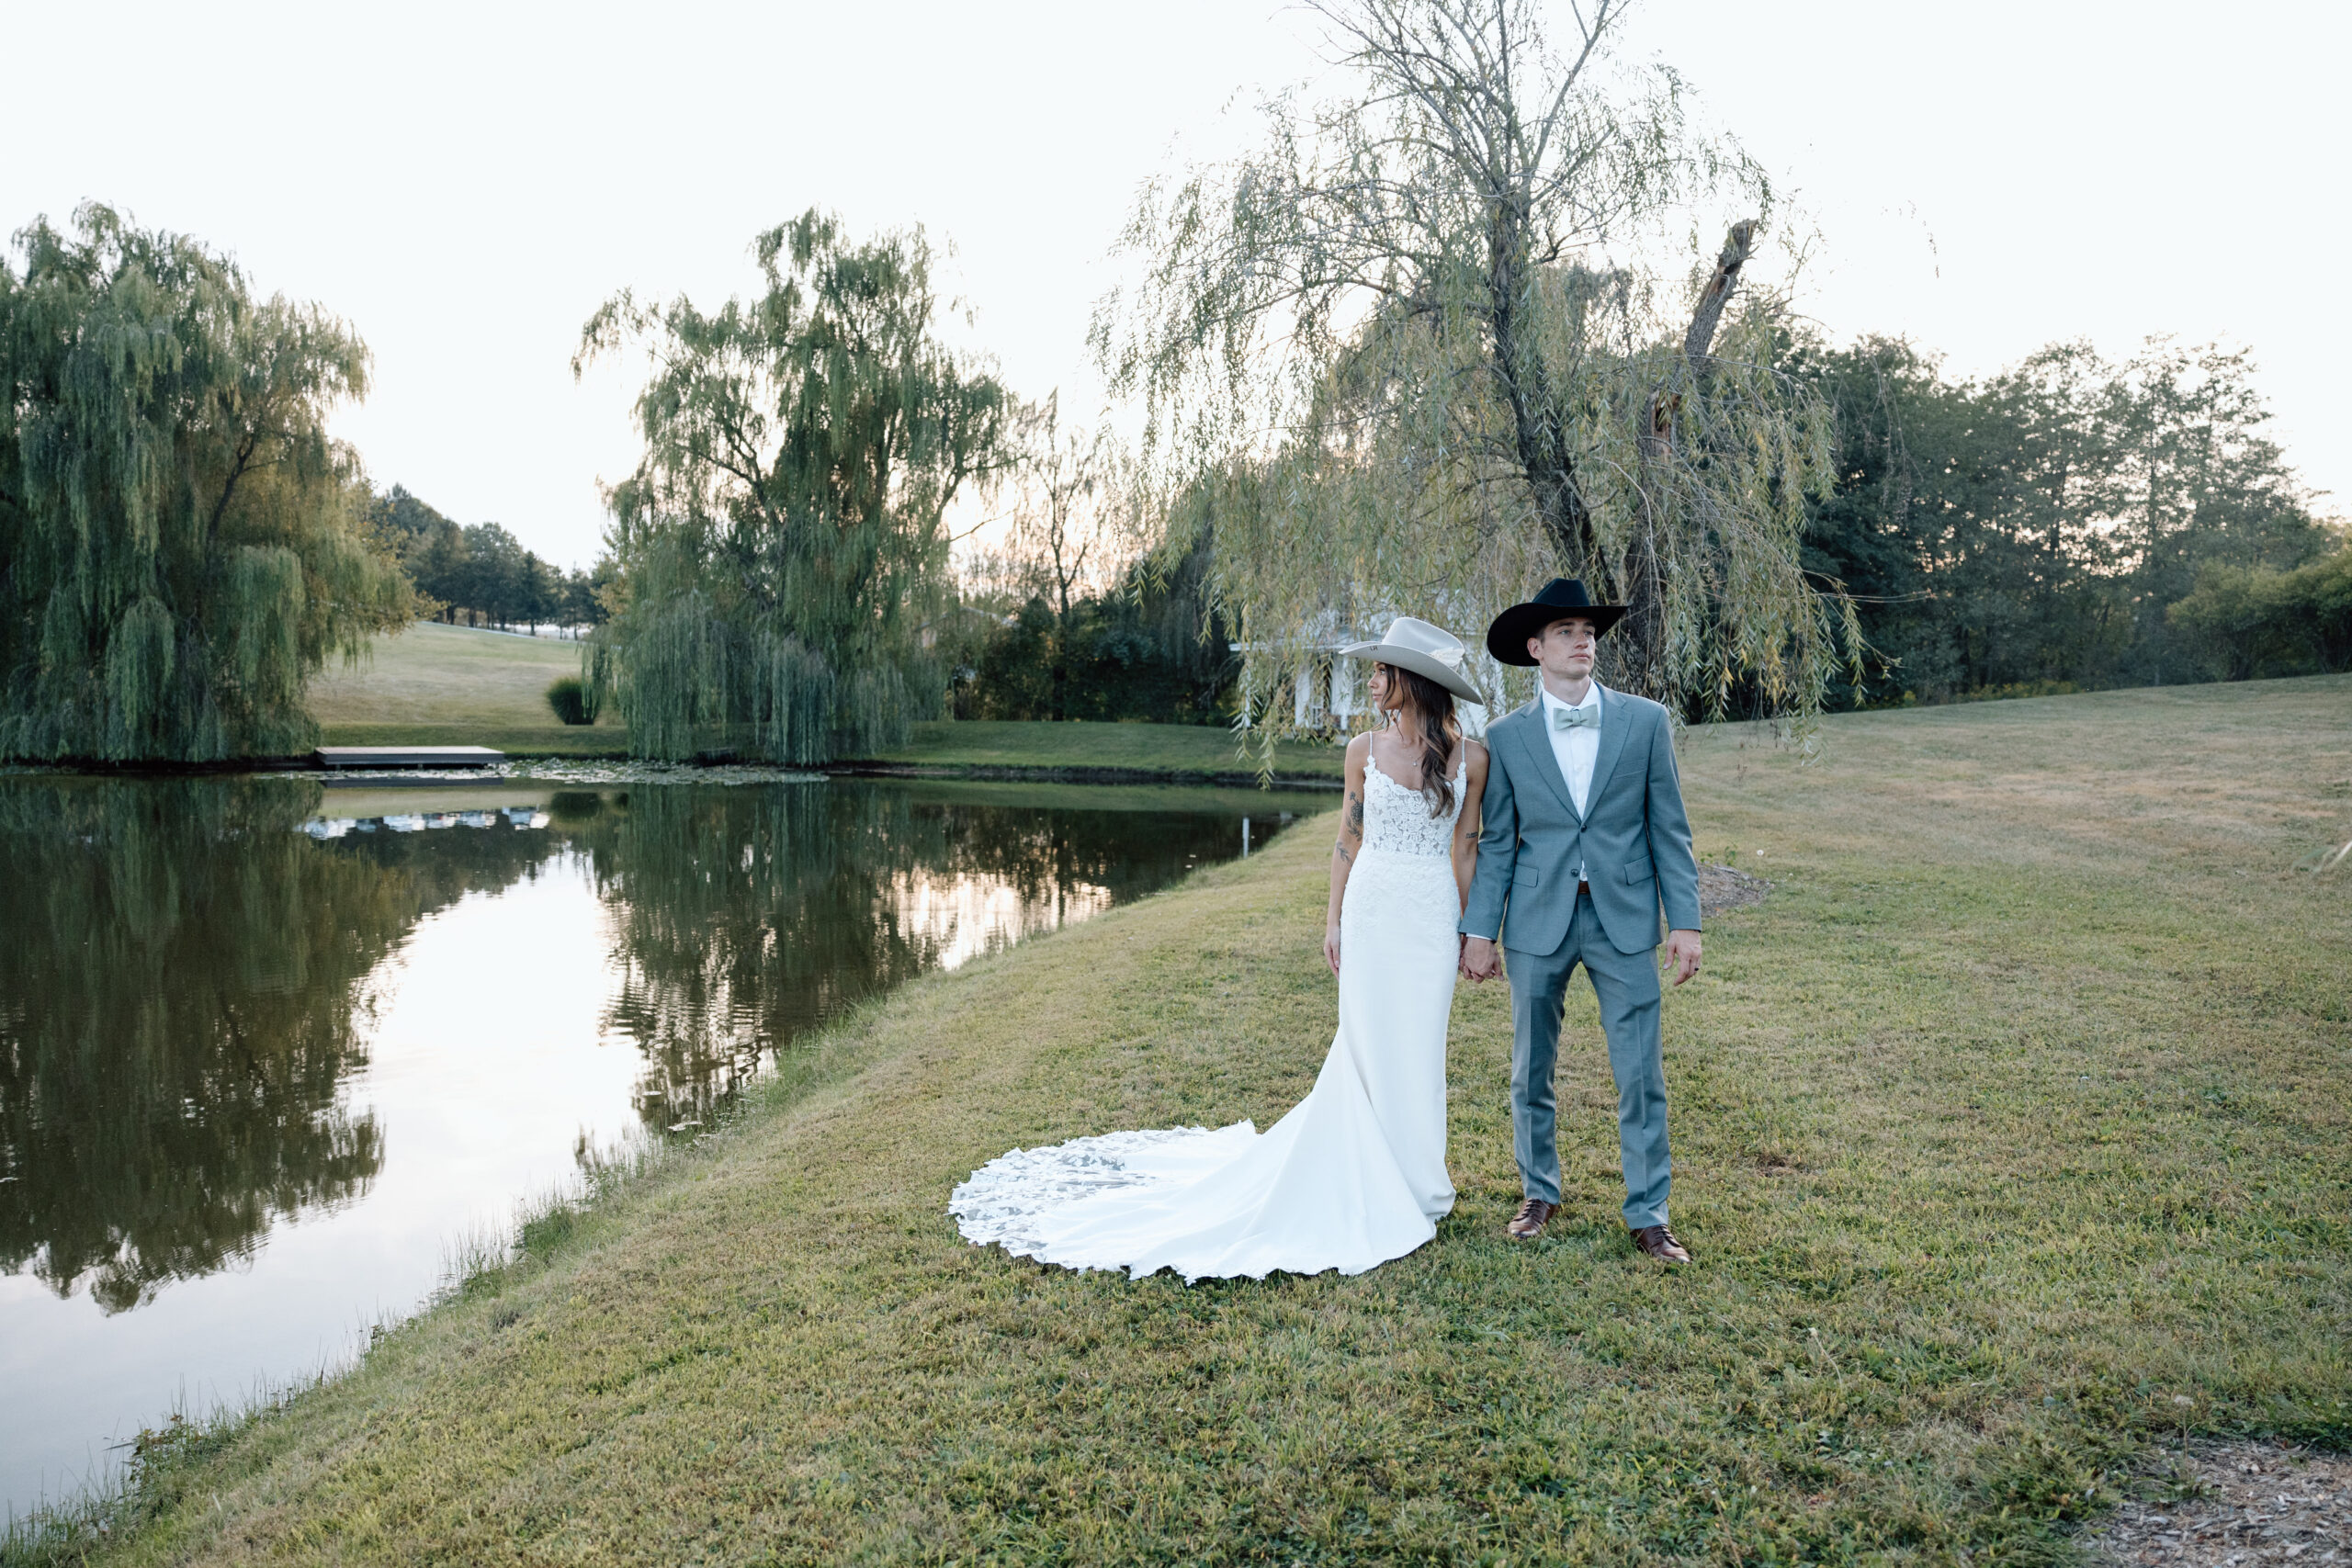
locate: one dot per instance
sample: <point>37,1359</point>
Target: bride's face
<point>1386,691</point>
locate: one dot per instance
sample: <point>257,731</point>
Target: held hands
<point>1479,961</point>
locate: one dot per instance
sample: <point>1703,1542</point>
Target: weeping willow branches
<point>1412,342</point>
<point>180,543</point>
<point>782,543</point>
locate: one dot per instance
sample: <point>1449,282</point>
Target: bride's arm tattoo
<point>1350,824</point>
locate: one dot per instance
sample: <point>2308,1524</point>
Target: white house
<point>1326,692</point>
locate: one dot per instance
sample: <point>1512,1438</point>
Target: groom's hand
<point>1682,951</point>
<point>1479,959</point>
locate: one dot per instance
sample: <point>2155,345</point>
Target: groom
<point>1584,840</point>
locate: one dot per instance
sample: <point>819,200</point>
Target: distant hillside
<point>436,674</point>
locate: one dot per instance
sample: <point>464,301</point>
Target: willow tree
<point>181,546</point>
<point>783,546</point>
<point>1421,337</point>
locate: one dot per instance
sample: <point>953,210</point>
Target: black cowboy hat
<point>1556,601</point>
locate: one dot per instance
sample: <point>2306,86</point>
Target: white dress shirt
<point>1574,749</point>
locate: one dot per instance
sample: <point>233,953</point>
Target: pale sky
<point>465,184</point>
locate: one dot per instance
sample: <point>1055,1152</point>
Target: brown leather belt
<point>1585,888</point>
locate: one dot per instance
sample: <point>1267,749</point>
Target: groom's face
<point>1565,649</point>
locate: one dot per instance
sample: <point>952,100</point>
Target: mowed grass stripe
<point>2012,1119</point>
<point>432,674</point>
<point>1193,748</point>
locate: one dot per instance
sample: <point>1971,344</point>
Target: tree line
<point>481,574</point>
<point>1427,345</point>
<point>2068,524</point>
<point>2071,523</point>
<point>1150,644</point>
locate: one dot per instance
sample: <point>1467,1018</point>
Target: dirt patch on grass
<point>1721,887</point>
<point>2246,1504</point>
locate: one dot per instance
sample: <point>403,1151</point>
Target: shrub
<point>2251,623</point>
<point>574,701</point>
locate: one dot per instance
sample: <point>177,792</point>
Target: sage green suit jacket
<point>1632,839</point>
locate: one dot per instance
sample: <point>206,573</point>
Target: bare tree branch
<point>1709,311</point>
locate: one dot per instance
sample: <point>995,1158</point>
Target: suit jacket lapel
<point>1544,761</point>
<point>1616,719</point>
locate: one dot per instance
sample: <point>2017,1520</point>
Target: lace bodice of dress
<point>1397,821</point>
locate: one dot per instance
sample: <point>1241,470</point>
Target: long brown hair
<point>1432,729</point>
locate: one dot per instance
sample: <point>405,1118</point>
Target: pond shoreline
<point>408,1043</point>
<point>1223,779</point>
<point>139,1511</point>
<point>1229,780</point>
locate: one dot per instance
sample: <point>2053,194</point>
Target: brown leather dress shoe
<point>1659,1242</point>
<point>1532,1217</point>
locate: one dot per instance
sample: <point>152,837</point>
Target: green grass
<point>436,685</point>
<point>1127,751</point>
<point>2010,1135</point>
<point>433,676</point>
<point>1175,749</point>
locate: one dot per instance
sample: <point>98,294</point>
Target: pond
<point>270,1050</point>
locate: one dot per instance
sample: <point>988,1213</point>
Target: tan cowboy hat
<point>1425,650</point>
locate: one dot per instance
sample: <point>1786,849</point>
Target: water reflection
<point>265,1046</point>
<point>181,999</point>
<point>744,918</point>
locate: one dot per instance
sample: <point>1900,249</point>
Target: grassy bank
<point>2010,1138</point>
<point>432,674</point>
<point>1174,751</point>
<point>436,685</point>
<point>1127,753</point>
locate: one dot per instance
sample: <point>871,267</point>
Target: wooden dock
<point>406,757</point>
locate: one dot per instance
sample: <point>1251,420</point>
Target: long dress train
<point>1352,1177</point>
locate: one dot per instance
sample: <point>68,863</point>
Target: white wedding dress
<point>1355,1174</point>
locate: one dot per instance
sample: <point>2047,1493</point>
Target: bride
<point>1355,1174</point>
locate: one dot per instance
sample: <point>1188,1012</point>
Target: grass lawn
<point>435,675</point>
<point>1172,752</point>
<point>2011,1136</point>
<point>1170,749</point>
<point>436,685</point>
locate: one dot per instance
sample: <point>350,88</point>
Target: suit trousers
<point>1627,986</point>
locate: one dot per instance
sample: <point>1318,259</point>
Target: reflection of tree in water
<point>434,869</point>
<point>182,998</point>
<point>183,975</point>
<point>744,917</point>
<point>178,974</point>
